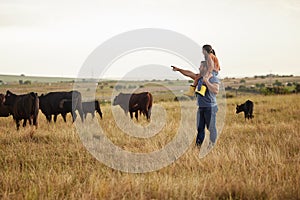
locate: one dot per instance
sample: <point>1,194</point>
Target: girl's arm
<point>188,73</point>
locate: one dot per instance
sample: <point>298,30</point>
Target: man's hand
<point>207,76</point>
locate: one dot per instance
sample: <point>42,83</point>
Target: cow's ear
<point>8,93</point>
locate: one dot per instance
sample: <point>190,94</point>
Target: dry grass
<point>257,159</point>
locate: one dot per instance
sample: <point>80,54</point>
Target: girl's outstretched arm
<point>187,73</point>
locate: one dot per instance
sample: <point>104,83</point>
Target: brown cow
<point>24,107</point>
<point>134,103</point>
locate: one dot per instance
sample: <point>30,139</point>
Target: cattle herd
<point>26,106</point>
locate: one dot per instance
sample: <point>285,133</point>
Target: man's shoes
<point>206,149</point>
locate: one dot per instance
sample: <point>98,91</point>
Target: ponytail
<point>213,52</point>
<point>209,49</point>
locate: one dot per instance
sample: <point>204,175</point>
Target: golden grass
<point>256,159</point>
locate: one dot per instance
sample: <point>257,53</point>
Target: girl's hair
<point>209,49</point>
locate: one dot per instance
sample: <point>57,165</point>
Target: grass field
<point>256,159</point>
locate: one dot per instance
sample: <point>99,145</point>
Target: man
<point>207,104</point>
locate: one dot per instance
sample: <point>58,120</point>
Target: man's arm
<point>188,73</point>
<point>213,87</point>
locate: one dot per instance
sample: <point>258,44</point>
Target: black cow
<point>4,110</point>
<point>52,104</point>
<point>24,107</point>
<point>91,107</point>
<point>134,103</point>
<point>247,108</point>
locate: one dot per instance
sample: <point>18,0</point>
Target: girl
<point>213,67</point>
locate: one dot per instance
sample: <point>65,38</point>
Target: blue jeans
<point>206,116</point>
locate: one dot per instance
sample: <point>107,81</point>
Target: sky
<point>54,38</point>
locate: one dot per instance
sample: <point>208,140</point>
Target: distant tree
<point>297,88</point>
<point>289,84</point>
<point>243,81</point>
<point>27,82</point>
<point>242,87</point>
<point>119,87</point>
<point>228,88</point>
<point>277,83</point>
<point>259,85</point>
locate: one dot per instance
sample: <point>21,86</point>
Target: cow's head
<point>2,99</point>
<point>118,99</point>
<point>123,101</point>
<point>9,98</point>
<point>239,108</point>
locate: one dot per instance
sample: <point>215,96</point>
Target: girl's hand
<point>175,68</point>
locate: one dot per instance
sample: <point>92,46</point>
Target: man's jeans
<point>206,116</point>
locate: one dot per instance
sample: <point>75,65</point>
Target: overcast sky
<point>53,38</point>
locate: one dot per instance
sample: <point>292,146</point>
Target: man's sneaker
<point>206,149</point>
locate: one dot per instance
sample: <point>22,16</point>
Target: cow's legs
<point>100,113</point>
<point>149,113</point>
<point>74,116</point>
<point>64,116</point>
<point>18,124</point>
<point>24,122</point>
<point>48,117</point>
<point>136,114</point>
<point>55,118</point>
<point>35,122</point>
<point>81,114</point>
<point>131,115</point>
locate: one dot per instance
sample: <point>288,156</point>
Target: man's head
<point>203,67</point>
